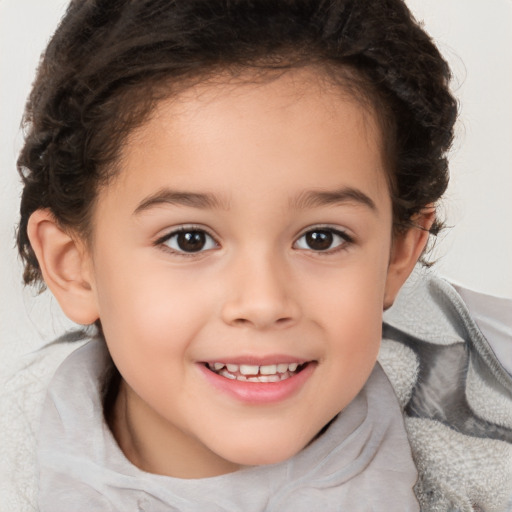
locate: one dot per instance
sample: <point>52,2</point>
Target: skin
<point>275,160</point>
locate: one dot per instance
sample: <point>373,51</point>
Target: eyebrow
<point>180,198</point>
<point>307,199</point>
<point>315,198</point>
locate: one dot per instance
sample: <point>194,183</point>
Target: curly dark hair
<point>110,61</point>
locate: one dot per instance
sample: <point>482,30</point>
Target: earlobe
<point>405,252</point>
<point>62,259</point>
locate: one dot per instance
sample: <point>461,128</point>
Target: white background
<point>476,38</point>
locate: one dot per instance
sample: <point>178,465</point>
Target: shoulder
<point>23,385</point>
<point>456,397</point>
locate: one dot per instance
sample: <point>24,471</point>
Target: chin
<point>264,459</point>
<point>264,453</point>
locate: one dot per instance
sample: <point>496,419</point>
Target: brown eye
<point>322,240</point>
<point>319,240</point>
<point>189,241</point>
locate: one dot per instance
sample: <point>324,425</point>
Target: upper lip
<point>258,360</point>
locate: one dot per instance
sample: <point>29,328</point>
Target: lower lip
<point>260,392</point>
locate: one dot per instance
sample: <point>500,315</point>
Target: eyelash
<point>162,242</point>
<point>346,240</point>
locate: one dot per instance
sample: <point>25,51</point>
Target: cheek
<point>149,327</point>
<point>353,293</point>
<point>147,317</point>
<point>150,313</point>
<point>351,306</point>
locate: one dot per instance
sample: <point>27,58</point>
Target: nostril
<point>252,310</point>
<point>281,322</point>
<point>241,321</point>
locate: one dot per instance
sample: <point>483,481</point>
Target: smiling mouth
<point>253,373</point>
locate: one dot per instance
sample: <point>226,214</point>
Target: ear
<point>64,264</point>
<point>405,252</point>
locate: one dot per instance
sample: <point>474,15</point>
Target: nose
<point>259,295</point>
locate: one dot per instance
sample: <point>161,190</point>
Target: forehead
<point>298,129</point>
<point>309,92</point>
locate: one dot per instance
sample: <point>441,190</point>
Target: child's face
<point>249,225</point>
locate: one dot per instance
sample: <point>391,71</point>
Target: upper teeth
<point>248,369</point>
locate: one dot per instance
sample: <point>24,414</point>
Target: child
<point>231,192</point>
